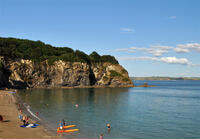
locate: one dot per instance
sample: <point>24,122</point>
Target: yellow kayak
<point>67,131</point>
<point>69,126</point>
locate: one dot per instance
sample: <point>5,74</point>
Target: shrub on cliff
<point>114,73</point>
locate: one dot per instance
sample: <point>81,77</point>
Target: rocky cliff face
<point>25,73</point>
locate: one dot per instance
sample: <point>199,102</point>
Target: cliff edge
<point>28,74</point>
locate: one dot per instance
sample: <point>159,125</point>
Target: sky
<point>147,37</point>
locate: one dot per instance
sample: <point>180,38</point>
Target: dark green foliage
<point>39,51</point>
<point>108,58</point>
<point>114,73</point>
<point>81,56</point>
<point>96,58</point>
<point>52,59</point>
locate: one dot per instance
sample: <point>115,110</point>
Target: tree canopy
<point>39,51</point>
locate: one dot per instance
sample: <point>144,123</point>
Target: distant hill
<point>165,78</point>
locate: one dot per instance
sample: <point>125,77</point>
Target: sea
<point>171,110</point>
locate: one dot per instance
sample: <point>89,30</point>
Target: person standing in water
<point>101,136</point>
<point>61,125</point>
<point>64,122</point>
<point>37,114</point>
<point>76,105</point>
<point>109,127</point>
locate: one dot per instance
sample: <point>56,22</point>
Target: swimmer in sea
<point>76,105</point>
<point>109,127</point>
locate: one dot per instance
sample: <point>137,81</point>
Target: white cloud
<point>172,17</point>
<point>156,50</point>
<point>181,50</point>
<point>169,60</point>
<point>127,30</point>
<point>124,50</point>
<point>159,50</point>
<point>185,48</point>
<point>174,60</point>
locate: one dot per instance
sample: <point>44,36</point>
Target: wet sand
<point>10,127</point>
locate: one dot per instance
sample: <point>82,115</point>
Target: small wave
<point>32,113</point>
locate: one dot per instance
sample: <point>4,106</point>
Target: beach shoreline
<point>10,104</point>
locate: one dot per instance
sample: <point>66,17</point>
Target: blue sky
<point>148,37</point>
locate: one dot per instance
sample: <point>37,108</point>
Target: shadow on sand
<point>5,121</point>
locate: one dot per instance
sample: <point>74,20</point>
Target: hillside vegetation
<point>39,51</point>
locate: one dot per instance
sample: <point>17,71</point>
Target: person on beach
<point>27,119</point>
<point>1,118</point>
<point>24,120</point>
<point>20,117</point>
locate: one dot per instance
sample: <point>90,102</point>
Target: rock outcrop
<point>28,74</point>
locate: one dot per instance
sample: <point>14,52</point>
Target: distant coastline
<point>165,78</point>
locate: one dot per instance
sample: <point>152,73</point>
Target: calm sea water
<point>171,110</point>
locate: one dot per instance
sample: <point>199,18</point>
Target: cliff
<point>30,64</point>
<point>21,73</point>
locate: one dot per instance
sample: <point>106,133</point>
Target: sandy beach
<point>10,127</point>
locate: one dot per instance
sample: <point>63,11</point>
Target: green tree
<point>95,57</point>
<point>39,51</point>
